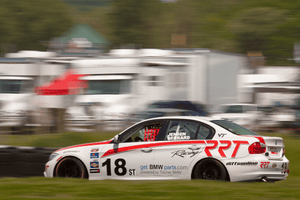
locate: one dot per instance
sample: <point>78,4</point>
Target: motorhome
<point>110,96</point>
<point>20,73</point>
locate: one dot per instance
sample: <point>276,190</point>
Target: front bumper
<point>50,165</point>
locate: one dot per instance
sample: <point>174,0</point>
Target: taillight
<point>283,151</point>
<point>257,148</point>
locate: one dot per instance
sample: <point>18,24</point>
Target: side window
<point>182,130</point>
<point>147,132</point>
<point>203,133</point>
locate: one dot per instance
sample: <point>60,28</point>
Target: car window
<point>249,108</point>
<point>234,128</point>
<point>233,109</point>
<point>187,130</point>
<point>203,133</point>
<point>145,132</point>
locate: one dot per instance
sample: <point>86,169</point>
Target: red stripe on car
<point>130,148</point>
<point>84,145</point>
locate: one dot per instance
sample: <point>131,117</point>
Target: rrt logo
<point>225,144</point>
<point>264,164</point>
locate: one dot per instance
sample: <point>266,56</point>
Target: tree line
<point>267,26</point>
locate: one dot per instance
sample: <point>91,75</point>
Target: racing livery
<point>176,148</point>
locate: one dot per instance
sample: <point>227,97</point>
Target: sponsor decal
<point>243,163</point>
<point>183,153</point>
<point>264,164</point>
<point>155,169</point>
<point>94,164</point>
<point>94,150</point>
<point>178,136</point>
<point>156,166</point>
<point>143,167</point>
<point>94,170</point>
<point>94,155</point>
<point>274,165</point>
<point>221,135</point>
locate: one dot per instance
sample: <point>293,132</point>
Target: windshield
<point>234,128</point>
<point>185,105</point>
<point>15,86</point>
<point>108,87</point>
<point>238,109</point>
<point>161,105</point>
<point>233,109</point>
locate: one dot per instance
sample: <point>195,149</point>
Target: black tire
<point>210,169</point>
<point>70,168</point>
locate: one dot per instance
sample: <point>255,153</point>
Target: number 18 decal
<point>120,168</point>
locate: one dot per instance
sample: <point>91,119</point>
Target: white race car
<point>176,148</point>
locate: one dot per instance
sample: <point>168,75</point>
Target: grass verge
<point>41,188</point>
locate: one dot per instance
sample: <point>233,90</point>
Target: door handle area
<point>194,147</point>
<point>146,150</point>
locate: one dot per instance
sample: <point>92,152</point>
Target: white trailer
<point>20,73</point>
<point>110,97</point>
<point>149,75</point>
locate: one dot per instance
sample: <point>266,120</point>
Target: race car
<point>180,147</point>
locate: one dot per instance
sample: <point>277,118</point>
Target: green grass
<point>41,188</point>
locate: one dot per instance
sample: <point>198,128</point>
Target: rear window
<point>234,128</point>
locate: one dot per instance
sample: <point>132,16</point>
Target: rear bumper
<point>261,170</point>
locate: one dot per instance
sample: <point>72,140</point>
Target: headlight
<point>53,156</point>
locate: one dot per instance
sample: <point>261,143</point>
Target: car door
<point>132,157</point>
<point>184,140</point>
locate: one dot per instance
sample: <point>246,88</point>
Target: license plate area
<point>274,152</point>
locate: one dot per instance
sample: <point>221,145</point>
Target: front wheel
<point>211,170</point>
<point>70,168</point>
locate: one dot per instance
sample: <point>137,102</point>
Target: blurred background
<point>74,65</point>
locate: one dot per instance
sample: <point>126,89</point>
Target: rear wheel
<point>70,168</point>
<point>211,170</point>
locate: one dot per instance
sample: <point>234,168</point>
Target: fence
<point>23,161</point>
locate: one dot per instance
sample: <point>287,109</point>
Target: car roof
<point>196,118</point>
<point>168,110</point>
<point>239,104</point>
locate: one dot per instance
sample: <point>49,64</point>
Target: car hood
<point>79,146</point>
<point>233,115</point>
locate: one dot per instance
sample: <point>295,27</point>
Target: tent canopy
<point>66,84</point>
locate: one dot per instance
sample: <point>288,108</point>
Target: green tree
<point>28,22</point>
<point>132,21</point>
<point>254,27</point>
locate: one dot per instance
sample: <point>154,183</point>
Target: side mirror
<point>116,139</point>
